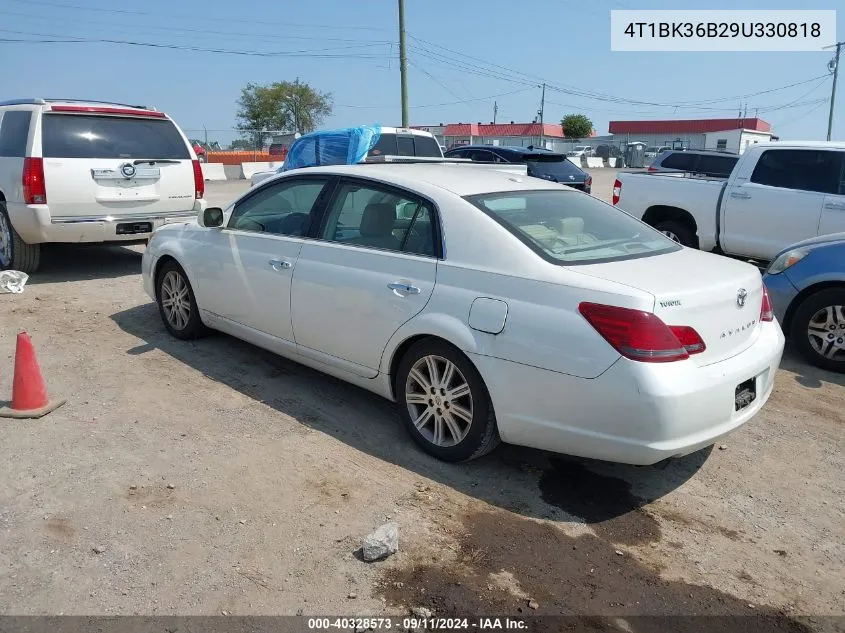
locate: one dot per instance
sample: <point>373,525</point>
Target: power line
<point>438,105</point>
<point>199,31</point>
<point>196,17</point>
<point>316,53</point>
<point>433,78</point>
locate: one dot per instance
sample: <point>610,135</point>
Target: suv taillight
<point>588,182</point>
<point>617,191</point>
<point>766,312</point>
<point>34,187</point>
<point>199,181</point>
<point>642,336</point>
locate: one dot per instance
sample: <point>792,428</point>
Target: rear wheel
<point>176,303</point>
<point>818,329</point>
<point>15,254</point>
<point>444,403</point>
<point>677,232</point>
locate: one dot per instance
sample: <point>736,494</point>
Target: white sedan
<point>488,305</point>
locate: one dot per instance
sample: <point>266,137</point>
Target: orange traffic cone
<point>29,393</point>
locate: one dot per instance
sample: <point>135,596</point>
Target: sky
<point>464,56</point>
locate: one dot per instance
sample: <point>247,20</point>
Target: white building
<point>733,135</point>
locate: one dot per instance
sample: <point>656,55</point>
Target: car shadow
<point>530,482</point>
<point>77,262</point>
<point>808,375</point>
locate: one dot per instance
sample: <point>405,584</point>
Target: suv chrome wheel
<point>5,242</point>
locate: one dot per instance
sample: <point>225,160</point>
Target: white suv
<point>88,171</point>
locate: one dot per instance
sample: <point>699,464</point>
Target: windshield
<point>568,227</point>
<point>560,169</point>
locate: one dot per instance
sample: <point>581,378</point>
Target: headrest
<point>378,219</point>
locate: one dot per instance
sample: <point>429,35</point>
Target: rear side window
<point>406,145</point>
<point>806,170</point>
<point>678,160</point>
<point>716,165</point>
<point>83,136</point>
<point>14,129</point>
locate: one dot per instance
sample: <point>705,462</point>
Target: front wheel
<point>677,232</point>
<point>176,303</point>
<point>444,403</point>
<point>15,254</point>
<point>818,329</point>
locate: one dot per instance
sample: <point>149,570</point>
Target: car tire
<point>818,329</point>
<point>444,403</point>
<point>177,304</point>
<point>15,254</point>
<point>677,232</point>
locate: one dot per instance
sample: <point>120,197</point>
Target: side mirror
<point>212,217</point>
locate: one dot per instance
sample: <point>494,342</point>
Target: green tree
<point>576,126</point>
<point>283,105</point>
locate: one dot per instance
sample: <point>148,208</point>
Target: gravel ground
<point>211,477</point>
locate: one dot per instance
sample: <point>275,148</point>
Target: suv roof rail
<point>40,101</point>
<point>114,103</point>
<point>30,101</point>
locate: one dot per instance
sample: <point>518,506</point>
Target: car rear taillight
<point>617,191</point>
<point>199,181</point>
<point>642,336</point>
<point>766,312</point>
<point>651,169</point>
<point>588,182</point>
<point>689,338</point>
<point>34,187</point>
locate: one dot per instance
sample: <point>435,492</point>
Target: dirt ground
<point>211,476</point>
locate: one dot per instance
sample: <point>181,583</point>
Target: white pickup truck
<point>777,194</point>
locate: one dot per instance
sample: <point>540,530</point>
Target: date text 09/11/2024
<point>414,623</point>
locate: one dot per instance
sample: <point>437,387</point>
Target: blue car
<point>806,284</point>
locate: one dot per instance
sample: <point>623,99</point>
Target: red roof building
<point>549,135</point>
<point>688,126</point>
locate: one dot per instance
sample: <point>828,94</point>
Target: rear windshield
<point>568,227</point>
<point>557,166</point>
<point>84,136</point>
<point>406,145</point>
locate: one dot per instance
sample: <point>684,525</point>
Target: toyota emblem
<point>128,170</point>
<point>741,296</point>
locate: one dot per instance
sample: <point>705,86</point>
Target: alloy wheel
<point>176,300</point>
<point>671,236</point>
<point>826,332</point>
<point>439,400</point>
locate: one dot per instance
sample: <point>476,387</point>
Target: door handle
<point>740,194</point>
<point>279,264</point>
<point>398,287</point>
<point>836,206</point>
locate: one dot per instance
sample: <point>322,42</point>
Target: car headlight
<point>787,259</point>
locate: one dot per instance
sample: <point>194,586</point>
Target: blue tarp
<point>332,147</point>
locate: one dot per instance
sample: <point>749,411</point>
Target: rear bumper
<point>635,413</point>
<point>36,225</point>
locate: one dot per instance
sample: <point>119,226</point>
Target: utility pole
<point>542,113</point>
<point>205,132</point>
<point>835,62</point>
<point>495,110</point>
<point>403,63</point>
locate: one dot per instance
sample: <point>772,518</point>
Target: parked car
<point>708,163</point>
<point>487,306</point>
<point>392,142</point>
<point>87,171</point>
<point>541,163</point>
<point>580,150</point>
<point>807,286</point>
<point>777,194</point>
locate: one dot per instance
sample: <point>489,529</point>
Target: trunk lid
<point>109,165</point>
<point>719,297</point>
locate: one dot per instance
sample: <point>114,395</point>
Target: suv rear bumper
<point>36,225</point>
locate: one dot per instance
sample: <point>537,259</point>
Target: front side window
<point>567,227</point>
<point>716,165</point>
<point>283,208</point>
<point>806,170</point>
<point>373,217</point>
<point>86,136</point>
